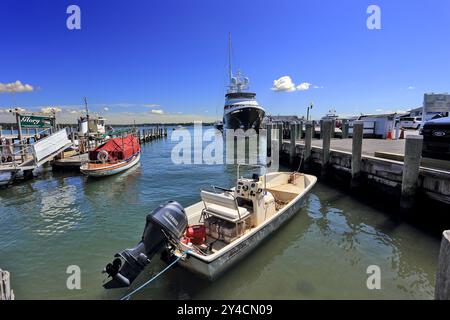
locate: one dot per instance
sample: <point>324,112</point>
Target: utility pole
<point>307,111</point>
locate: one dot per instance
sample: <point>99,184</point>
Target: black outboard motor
<point>168,220</point>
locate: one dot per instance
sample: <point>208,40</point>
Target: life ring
<point>103,156</point>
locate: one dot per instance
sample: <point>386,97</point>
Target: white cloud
<point>304,86</point>
<point>51,109</point>
<point>283,84</point>
<point>411,88</point>
<point>152,105</point>
<point>15,87</point>
<point>106,108</point>
<point>157,111</point>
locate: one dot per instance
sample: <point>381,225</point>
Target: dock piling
<point>358,133</point>
<point>292,143</point>
<point>269,139</point>
<point>326,144</point>
<point>413,157</point>
<point>345,126</point>
<point>5,286</point>
<point>280,136</point>
<point>442,290</point>
<point>308,144</point>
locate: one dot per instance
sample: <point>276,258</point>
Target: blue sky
<point>172,55</point>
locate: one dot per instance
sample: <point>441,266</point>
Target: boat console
<point>262,202</point>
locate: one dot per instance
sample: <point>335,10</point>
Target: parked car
<point>436,139</point>
<point>411,123</point>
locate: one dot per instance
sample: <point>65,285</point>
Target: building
<point>434,104</point>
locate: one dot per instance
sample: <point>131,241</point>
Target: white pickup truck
<point>411,123</point>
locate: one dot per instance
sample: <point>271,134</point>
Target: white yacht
<point>241,110</point>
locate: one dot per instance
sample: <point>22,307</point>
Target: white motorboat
<point>215,233</point>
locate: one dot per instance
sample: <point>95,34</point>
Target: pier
<point>393,166</point>
<point>26,150</point>
<point>73,160</point>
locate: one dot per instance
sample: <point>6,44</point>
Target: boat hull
<point>211,270</point>
<point>244,118</point>
<point>113,169</point>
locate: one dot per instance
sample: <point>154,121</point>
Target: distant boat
<point>114,156</point>
<point>218,125</point>
<point>241,110</point>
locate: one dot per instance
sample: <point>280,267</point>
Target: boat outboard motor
<point>168,220</point>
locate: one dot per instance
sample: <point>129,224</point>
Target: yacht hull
<point>244,118</point>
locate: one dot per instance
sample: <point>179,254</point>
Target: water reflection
<point>321,253</point>
<point>58,210</point>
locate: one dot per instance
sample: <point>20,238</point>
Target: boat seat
<point>223,206</point>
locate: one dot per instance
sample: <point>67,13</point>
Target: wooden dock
<point>6,293</point>
<point>146,135</point>
<point>393,166</point>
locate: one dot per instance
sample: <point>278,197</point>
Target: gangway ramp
<point>38,153</point>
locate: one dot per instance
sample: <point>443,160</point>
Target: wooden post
<point>442,290</point>
<point>358,130</point>
<point>280,137</point>
<point>326,144</point>
<point>321,130</point>
<point>345,126</point>
<point>413,156</point>
<point>333,129</point>
<point>269,139</point>
<point>292,143</point>
<point>5,286</point>
<point>300,130</point>
<point>19,126</point>
<point>308,144</point>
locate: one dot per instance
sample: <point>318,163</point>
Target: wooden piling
<point>309,132</point>
<point>269,139</point>
<point>300,130</point>
<point>413,157</point>
<point>326,144</point>
<point>345,127</point>
<point>358,132</point>
<point>280,136</point>
<point>5,286</point>
<point>292,143</point>
<point>442,289</point>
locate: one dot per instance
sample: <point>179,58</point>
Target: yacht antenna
<point>229,57</point>
<point>86,106</point>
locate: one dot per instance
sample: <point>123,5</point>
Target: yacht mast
<point>229,57</point>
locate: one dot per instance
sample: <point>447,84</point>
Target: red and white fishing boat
<point>114,156</point>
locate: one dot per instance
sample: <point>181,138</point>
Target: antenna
<point>86,106</point>
<point>229,56</point>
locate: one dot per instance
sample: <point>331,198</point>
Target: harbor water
<point>63,219</point>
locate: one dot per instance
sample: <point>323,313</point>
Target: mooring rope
<point>128,296</point>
